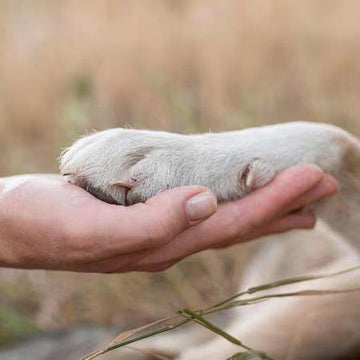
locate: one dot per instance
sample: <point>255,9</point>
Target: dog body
<point>128,166</point>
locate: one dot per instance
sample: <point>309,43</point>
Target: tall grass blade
<point>187,315</point>
<point>284,282</point>
<point>249,355</point>
<point>236,303</point>
<point>143,332</point>
<point>212,327</point>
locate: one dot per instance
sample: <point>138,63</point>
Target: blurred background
<point>67,67</point>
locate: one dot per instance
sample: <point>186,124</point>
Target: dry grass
<point>185,316</point>
<point>70,66</point>
<point>179,65</point>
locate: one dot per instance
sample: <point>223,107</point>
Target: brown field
<point>71,66</point>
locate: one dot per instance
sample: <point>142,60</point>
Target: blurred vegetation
<point>67,67</point>
<point>14,326</point>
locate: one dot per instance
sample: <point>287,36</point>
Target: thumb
<point>173,211</point>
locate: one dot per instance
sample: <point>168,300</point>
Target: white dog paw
<point>124,167</point>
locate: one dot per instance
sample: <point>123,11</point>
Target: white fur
<point>128,166</point>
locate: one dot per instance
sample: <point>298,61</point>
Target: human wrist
<point>2,185</point>
<point>4,239</point>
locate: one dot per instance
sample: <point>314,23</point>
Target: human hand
<point>50,224</point>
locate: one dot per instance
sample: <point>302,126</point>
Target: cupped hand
<point>50,224</point>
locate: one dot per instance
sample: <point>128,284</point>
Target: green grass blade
<point>212,327</point>
<point>236,303</point>
<point>143,332</point>
<point>284,282</point>
<point>249,355</point>
<point>187,315</point>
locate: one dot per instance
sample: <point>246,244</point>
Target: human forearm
<point>7,257</point>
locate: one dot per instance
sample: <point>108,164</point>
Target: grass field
<point>71,66</point>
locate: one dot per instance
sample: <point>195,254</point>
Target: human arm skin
<point>49,224</point>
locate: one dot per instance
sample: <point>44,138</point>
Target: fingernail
<point>201,206</point>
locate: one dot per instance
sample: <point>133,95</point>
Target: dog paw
<point>123,166</point>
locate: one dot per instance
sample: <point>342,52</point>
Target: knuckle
<point>237,228</point>
<point>233,227</point>
<point>159,232</point>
